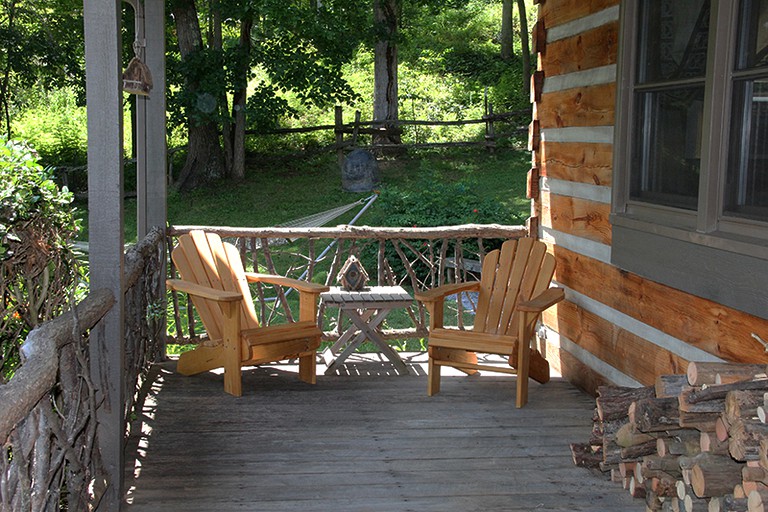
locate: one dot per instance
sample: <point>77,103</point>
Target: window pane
<point>673,37</point>
<point>666,155</point>
<point>747,180</point>
<point>753,34</point>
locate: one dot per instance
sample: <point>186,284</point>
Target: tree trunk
<point>238,104</point>
<point>506,30</point>
<point>204,156</point>
<point>525,49</point>
<point>216,43</point>
<point>385,95</point>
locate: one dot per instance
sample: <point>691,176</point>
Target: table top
<point>368,297</point>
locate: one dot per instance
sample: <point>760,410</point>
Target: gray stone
<point>360,172</point>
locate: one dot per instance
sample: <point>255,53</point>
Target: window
<point>691,145</point>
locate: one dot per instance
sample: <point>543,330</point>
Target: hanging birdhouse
<point>352,275</point>
<point>137,78</point>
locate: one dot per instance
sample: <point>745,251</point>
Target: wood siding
<point>614,325</point>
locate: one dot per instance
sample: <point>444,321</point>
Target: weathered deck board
<point>365,443</point>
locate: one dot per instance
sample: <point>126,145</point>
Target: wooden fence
<point>395,128</point>
<point>417,258</point>
<point>49,459</point>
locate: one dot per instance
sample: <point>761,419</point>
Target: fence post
<point>356,129</point>
<point>339,123</point>
<point>490,132</point>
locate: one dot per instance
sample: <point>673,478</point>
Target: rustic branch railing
<point>417,258</point>
<point>48,409</point>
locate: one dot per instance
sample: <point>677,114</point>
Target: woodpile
<point>693,442</point>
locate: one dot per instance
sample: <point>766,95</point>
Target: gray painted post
<point>105,223</point>
<point>152,174</point>
<point>156,190</point>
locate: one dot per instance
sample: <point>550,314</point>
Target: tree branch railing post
<point>48,408</point>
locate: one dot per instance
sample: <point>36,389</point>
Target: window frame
<point>706,235</point>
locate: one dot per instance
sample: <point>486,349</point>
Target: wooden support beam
<point>104,96</point>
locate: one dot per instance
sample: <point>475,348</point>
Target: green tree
<point>42,42</point>
<point>299,46</point>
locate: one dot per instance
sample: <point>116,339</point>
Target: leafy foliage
<point>38,269</point>
<point>43,47</point>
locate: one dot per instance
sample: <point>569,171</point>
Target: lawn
<point>279,189</point>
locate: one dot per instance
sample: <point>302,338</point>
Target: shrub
<point>38,269</point>
<point>431,201</point>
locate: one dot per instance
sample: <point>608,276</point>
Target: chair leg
<point>308,368</point>
<point>433,381</point>
<point>233,379</point>
<point>523,365</point>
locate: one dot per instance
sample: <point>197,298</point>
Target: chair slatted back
<point>521,269</point>
<point>202,258</point>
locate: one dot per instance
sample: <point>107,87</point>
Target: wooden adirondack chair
<point>213,275</point>
<point>513,291</point>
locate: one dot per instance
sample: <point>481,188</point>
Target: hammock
<point>321,219</point>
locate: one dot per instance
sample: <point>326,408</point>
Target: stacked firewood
<point>693,442</point>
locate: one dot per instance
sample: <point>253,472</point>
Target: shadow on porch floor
<point>367,440</point>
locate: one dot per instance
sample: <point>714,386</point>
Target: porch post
<point>150,132</point>
<point>104,96</point>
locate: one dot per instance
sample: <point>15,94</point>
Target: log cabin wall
<point>614,326</point>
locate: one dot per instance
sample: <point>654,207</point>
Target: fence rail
<point>418,258</point>
<point>395,128</point>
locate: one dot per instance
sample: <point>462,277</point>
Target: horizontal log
<point>613,401</point>
<point>578,162</point>
<point>360,232</point>
<point>575,216</point>
<point>744,438</point>
<point>591,49</point>
<point>670,385</point>
<point>715,476</point>
<point>578,106</point>
<point>715,405</point>
<point>654,414</point>
<point>701,421</point>
<point>716,329</point>
<point>708,372</point>
<point>586,456</point>
<point>558,13</point>
<point>719,391</point>
<point>37,375</point>
<point>743,403</point>
<point>708,442</point>
<point>612,344</point>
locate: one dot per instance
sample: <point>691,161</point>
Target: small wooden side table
<point>367,308</point>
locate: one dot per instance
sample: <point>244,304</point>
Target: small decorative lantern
<point>352,275</point>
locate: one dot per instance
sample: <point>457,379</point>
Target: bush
<point>38,269</point>
<point>431,201</point>
<point>56,127</point>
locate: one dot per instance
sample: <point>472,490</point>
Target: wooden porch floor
<point>365,441</point>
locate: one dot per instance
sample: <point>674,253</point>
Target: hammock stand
<point>320,219</point>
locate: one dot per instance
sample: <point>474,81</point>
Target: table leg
<point>334,359</point>
<point>369,329</point>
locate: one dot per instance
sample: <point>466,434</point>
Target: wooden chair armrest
<point>302,286</point>
<point>545,299</point>
<point>202,291</point>
<point>447,289</point>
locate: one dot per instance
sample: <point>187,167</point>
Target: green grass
<point>278,189</point>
